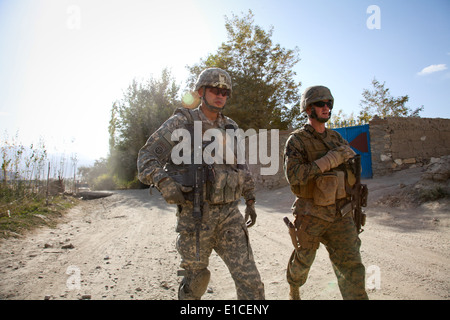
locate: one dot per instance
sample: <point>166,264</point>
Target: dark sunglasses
<point>322,104</point>
<point>217,91</point>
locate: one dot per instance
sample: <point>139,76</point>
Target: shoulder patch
<point>162,146</point>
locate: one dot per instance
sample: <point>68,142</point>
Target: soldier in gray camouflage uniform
<point>223,228</point>
<point>314,164</point>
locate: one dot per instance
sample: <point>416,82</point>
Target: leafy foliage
<point>265,94</point>
<point>144,107</point>
<point>379,101</point>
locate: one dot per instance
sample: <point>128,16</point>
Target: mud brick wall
<point>399,143</point>
<point>396,144</point>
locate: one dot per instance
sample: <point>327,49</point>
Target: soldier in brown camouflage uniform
<point>314,164</point>
<point>223,228</point>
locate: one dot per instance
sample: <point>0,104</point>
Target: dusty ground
<point>123,247</point>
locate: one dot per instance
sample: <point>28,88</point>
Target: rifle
<point>193,175</point>
<point>359,194</point>
<point>199,181</point>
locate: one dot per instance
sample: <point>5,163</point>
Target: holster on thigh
<point>304,236</point>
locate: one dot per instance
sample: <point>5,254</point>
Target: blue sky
<point>64,62</point>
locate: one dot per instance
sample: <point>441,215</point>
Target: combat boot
<point>194,285</point>
<point>294,293</point>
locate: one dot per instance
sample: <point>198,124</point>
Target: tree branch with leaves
<point>265,94</point>
<point>379,102</point>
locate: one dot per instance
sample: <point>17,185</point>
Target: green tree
<point>379,101</point>
<point>89,174</point>
<point>142,110</point>
<point>339,119</point>
<point>265,94</point>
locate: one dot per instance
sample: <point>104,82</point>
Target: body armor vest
<point>316,146</point>
<point>224,182</point>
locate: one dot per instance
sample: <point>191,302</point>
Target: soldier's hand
<point>346,152</point>
<point>172,191</point>
<point>250,213</point>
<point>335,157</point>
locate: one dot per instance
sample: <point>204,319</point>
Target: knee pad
<point>194,285</point>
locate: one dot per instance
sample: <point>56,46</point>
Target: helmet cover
<point>213,77</point>
<point>314,94</point>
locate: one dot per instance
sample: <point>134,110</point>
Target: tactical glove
<point>172,191</point>
<point>347,152</point>
<point>335,157</point>
<point>250,214</point>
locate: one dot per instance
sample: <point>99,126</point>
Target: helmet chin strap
<point>210,107</point>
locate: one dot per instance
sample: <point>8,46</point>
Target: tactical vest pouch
<point>241,180</point>
<point>226,187</point>
<point>304,191</point>
<point>231,186</point>
<point>325,189</point>
<point>215,191</point>
<point>340,192</point>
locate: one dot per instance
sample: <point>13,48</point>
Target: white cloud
<point>431,69</point>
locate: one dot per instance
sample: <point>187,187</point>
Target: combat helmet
<point>314,94</point>
<point>213,77</point>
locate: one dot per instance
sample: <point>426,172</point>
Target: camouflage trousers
<point>342,243</point>
<point>223,229</point>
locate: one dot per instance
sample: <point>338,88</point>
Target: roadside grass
<point>32,186</point>
<point>20,216</point>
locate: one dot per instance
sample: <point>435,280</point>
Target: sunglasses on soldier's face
<point>217,91</point>
<point>322,104</point>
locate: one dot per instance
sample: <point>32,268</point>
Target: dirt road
<point>123,247</point>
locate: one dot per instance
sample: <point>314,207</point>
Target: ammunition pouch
<point>328,188</point>
<point>226,186</point>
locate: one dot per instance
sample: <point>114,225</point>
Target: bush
<point>104,182</point>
